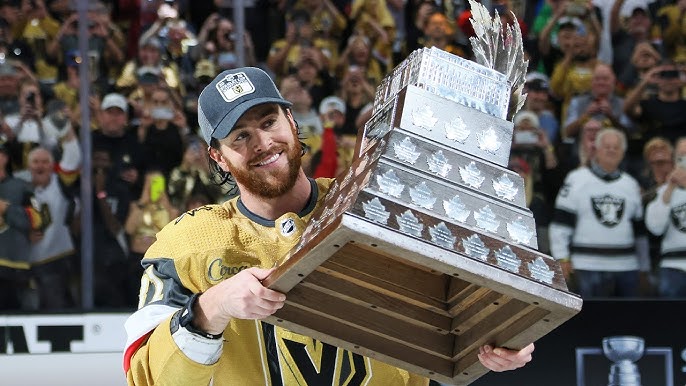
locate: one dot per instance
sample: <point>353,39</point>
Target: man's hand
<point>678,177</point>
<point>3,206</point>
<point>241,296</point>
<point>503,359</point>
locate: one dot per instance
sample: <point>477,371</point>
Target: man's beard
<point>274,183</point>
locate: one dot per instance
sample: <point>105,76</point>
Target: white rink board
<point>65,349</point>
<point>64,369</point>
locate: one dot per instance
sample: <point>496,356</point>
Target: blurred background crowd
<point>605,89</point>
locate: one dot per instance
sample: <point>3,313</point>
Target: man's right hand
<point>242,296</point>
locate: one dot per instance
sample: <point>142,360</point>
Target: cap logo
<point>234,86</point>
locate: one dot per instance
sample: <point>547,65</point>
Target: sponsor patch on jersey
<point>287,227</point>
<point>678,215</point>
<point>608,210</point>
<point>218,270</point>
<point>234,86</point>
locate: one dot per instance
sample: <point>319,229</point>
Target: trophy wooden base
<point>404,301</point>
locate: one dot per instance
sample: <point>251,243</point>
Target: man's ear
<point>217,156</point>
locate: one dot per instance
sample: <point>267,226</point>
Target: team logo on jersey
<point>298,360</point>
<point>234,86</point>
<point>608,210</point>
<point>678,215</point>
<point>287,227</point>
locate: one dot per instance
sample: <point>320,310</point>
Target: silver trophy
<point>424,249</point>
<point>623,351</point>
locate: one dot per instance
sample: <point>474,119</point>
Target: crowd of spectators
<point>605,103</point>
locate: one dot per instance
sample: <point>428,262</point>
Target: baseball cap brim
<point>227,124</point>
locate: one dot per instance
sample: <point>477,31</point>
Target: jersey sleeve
<point>147,329</point>
<point>564,218</point>
<point>657,213</point>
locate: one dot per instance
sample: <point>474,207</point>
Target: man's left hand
<point>503,359</point>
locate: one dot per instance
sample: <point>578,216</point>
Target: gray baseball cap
<point>233,92</point>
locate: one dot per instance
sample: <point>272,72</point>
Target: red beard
<point>274,183</point>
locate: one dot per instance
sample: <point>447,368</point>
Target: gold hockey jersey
<point>201,248</point>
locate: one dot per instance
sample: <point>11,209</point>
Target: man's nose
<point>262,141</point>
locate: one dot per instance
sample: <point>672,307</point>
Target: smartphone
<point>525,137</point>
<point>31,98</point>
<point>157,186</point>
<point>576,8</point>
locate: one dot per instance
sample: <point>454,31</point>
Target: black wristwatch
<point>184,318</point>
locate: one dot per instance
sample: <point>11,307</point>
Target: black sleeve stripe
<point>564,217</point>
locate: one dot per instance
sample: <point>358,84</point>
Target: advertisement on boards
<point>609,343</point>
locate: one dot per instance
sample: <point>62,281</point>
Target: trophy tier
<point>441,121</point>
<point>455,167</point>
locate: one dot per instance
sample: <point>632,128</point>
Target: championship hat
<point>233,92</point>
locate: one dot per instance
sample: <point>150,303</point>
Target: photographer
<point>285,54</point>
<point>663,113</point>
<point>37,28</point>
<point>216,42</point>
<point>566,20</point>
<point>531,143</point>
<point>105,43</point>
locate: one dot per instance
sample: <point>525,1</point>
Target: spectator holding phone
<point>29,127</point>
<point>531,143</point>
<point>663,113</point>
<point>299,41</point>
<point>161,131</point>
<point>217,43</point>
<point>666,216</point>
<point>105,42</point>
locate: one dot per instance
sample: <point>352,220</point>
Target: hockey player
<point>201,298</point>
